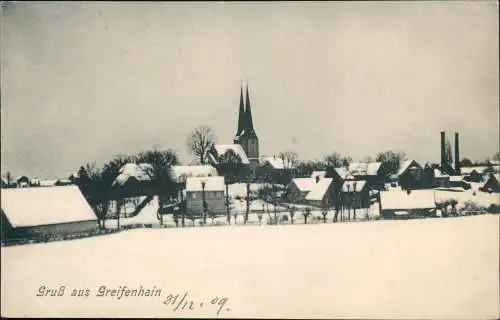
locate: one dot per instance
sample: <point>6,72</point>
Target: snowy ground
<point>432,268</point>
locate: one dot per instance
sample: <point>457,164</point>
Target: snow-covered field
<point>432,268</point>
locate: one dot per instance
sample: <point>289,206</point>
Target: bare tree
<point>333,160</point>
<point>95,188</point>
<point>306,213</point>
<point>200,141</point>
<point>391,160</point>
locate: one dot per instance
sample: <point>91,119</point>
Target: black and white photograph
<point>223,159</point>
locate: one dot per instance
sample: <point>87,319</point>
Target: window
<point>193,195</point>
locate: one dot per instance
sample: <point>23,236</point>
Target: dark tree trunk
<point>228,212</point>
<point>248,202</point>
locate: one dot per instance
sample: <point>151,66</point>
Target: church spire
<point>241,114</point>
<point>249,121</point>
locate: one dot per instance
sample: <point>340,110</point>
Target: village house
<point>298,189</point>
<point>474,174</point>
<point>410,175</point>
<point>23,182</point>
<point>277,169</point>
<point>441,180</point>
<point>355,194</point>
<point>322,194</point>
<point>492,184</point>
<point>133,180</point>
<point>411,203</point>
<point>372,173</point>
<point>45,212</point>
<point>210,189</point>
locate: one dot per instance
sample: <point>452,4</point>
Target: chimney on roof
<point>457,155</point>
<point>443,158</point>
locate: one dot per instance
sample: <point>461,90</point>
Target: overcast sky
<point>86,81</point>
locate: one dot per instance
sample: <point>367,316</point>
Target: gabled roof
<point>470,170</point>
<point>194,184</point>
<point>47,183</point>
<point>402,200</point>
<point>181,173</point>
<point>304,184</point>
<point>236,148</point>
<point>353,186</point>
<point>319,190</point>
<point>27,207</point>
<point>407,164</point>
<point>439,174</point>
<point>140,171</point>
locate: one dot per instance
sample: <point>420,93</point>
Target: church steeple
<point>249,122</point>
<point>241,115</point>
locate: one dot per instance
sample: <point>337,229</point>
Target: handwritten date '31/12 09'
<point>180,303</point>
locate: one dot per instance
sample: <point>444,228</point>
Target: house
<point>410,175</point>
<point>474,174</point>
<point>23,182</point>
<point>299,188</point>
<point>355,194</point>
<point>394,204</point>
<point>492,184</point>
<point>41,212</point>
<point>459,182</point>
<point>322,193</point>
<point>371,172</point>
<point>441,180</point>
<point>210,189</point>
<point>133,180</point>
<point>5,183</point>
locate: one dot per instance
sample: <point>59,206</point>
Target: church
<point>246,142</point>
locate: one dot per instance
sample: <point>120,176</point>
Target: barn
<point>322,194</point>
<point>396,204</point>
<point>30,213</point>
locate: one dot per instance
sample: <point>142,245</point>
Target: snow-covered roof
<point>406,164</point>
<point>26,207</point>
<point>304,184</point>
<point>211,184</point>
<point>353,186</point>
<point>320,174</point>
<point>439,174</point>
<point>402,200</point>
<point>139,171</point>
<point>237,149</point>
<point>469,170</point>
<point>364,169</point>
<point>180,173</point>
<point>343,173</point>
<point>319,189</point>
<point>494,162</point>
<point>47,183</point>
<point>277,162</point>
<point>456,178</point>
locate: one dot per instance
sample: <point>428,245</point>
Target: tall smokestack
<point>457,155</point>
<point>443,158</point>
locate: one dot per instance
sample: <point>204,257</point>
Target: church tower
<point>245,134</point>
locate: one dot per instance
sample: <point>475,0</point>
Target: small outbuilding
<point>44,212</point>
<point>396,204</point>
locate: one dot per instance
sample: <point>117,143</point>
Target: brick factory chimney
<point>457,155</point>
<point>443,158</point>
